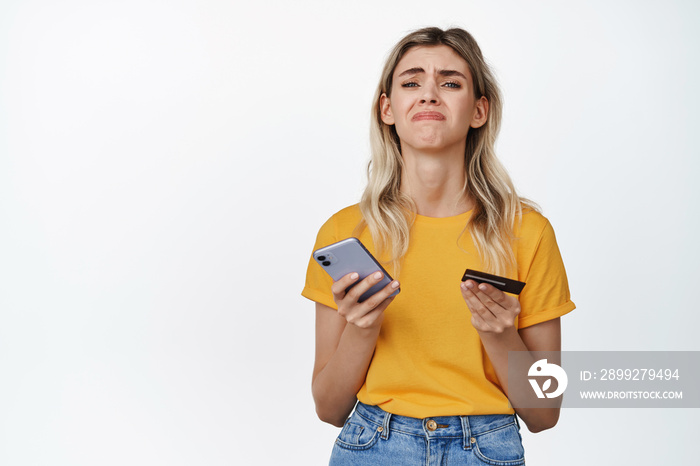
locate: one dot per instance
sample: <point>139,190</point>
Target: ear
<point>481,113</point>
<point>385,106</point>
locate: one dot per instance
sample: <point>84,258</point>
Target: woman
<point>430,365</point>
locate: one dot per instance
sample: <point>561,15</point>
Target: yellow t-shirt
<point>429,360</point>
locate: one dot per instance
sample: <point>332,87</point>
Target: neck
<point>435,181</point>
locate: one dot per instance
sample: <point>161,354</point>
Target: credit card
<point>504,284</point>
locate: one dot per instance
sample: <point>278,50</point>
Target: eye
<point>410,84</point>
<point>453,85</point>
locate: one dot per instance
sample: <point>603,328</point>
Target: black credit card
<point>504,284</point>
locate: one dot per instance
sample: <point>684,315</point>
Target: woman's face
<point>432,103</point>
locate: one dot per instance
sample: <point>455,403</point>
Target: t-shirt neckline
<point>459,218</point>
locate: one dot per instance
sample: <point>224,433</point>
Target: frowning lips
<point>428,116</point>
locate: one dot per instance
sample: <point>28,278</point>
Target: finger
<point>482,292</point>
<point>375,314</point>
<point>494,294</point>
<point>380,296</point>
<point>500,300</point>
<point>479,323</point>
<point>380,300</point>
<point>338,288</point>
<point>492,298</point>
<point>473,298</point>
<point>368,282</point>
<point>483,319</point>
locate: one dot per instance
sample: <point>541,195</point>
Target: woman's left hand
<point>493,311</point>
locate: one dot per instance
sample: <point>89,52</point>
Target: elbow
<point>539,427</point>
<point>330,417</point>
<point>331,409</point>
<point>328,411</point>
<point>546,420</point>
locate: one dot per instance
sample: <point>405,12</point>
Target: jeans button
<point>431,425</point>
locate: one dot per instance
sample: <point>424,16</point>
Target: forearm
<point>518,391</point>
<point>335,387</point>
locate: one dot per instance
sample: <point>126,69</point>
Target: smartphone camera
<point>325,260</point>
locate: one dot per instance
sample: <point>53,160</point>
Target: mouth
<point>420,116</point>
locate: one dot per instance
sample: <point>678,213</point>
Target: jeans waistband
<point>433,427</point>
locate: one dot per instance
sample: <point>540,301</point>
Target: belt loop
<point>385,426</point>
<point>467,432</point>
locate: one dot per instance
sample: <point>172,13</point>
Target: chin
<point>435,145</point>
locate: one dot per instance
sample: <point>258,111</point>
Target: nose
<point>430,93</point>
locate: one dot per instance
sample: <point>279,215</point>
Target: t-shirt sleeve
<point>546,293</point>
<point>318,283</point>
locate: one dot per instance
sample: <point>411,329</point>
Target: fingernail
<point>469,285</point>
<point>378,275</point>
<point>394,284</point>
<point>482,287</point>
<point>354,276</point>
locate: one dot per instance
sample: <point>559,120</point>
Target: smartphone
<point>501,283</point>
<point>350,255</point>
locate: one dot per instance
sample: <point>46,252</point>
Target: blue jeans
<point>371,436</point>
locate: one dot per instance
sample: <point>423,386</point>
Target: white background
<point>165,166</point>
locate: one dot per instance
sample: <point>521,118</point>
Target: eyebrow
<point>446,73</point>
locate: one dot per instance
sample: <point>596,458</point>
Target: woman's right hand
<point>369,313</point>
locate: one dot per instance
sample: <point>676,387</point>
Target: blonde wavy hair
<point>389,213</point>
